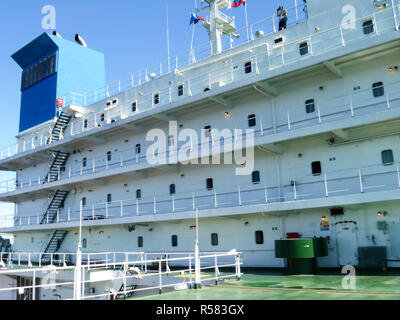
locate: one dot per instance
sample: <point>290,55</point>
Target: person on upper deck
<point>282,14</point>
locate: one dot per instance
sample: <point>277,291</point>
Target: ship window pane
<point>134,106</point>
<point>109,198</point>
<point>48,66</point>
<point>368,27</point>
<point>40,71</point>
<point>84,243</point>
<point>316,168</point>
<point>255,176</point>
<point>35,73</point>
<point>214,239</point>
<point>303,48</point>
<point>180,90</point>
<point>85,123</point>
<point>26,84</point>
<point>84,201</point>
<point>259,237</point>
<point>172,189</point>
<point>247,67</point>
<point>138,149</point>
<point>84,162</point>
<point>377,89</point>
<point>174,240</point>
<point>157,98</point>
<point>207,131</point>
<point>138,194</point>
<point>140,241</point>
<point>387,157</point>
<point>23,78</point>
<point>210,184</point>
<point>30,77</point>
<point>44,68</point>
<point>310,106</point>
<point>252,120</point>
<point>102,117</point>
<point>54,63</point>
<point>109,156</point>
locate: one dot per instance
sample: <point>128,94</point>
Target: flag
<point>194,19</point>
<point>237,3</point>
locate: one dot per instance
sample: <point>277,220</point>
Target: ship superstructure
<point>321,98</point>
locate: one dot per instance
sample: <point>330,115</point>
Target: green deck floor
<point>266,286</point>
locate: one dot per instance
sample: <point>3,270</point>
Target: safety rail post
<point>94,165</point>
<point>387,100</point>
<point>326,185</point>
<point>106,210</point>
<point>215,199</point>
<point>342,36</point>
<point>154,205</point>
<point>237,262</point>
<point>319,113</point>
<point>351,105</point>
<point>137,207</point>
<point>288,117</point>
<point>93,211</point>
<point>69,214</point>
<point>216,269</point>
<point>294,189</point>
<point>360,178</point>
<point>122,161</point>
<point>58,173</point>
<point>122,209</point>
<point>266,193</point>
<point>58,215</point>
<point>239,196</point>
<point>159,275</point>
<point>398,175</point>
<point>193,202</point>
<point>173,203</point>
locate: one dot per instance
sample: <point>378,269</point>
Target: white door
<point>346,240</point>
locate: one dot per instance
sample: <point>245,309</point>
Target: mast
<point>219,24</point>
<point>215,33</point>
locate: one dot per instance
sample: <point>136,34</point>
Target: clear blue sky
<point>131,34</point>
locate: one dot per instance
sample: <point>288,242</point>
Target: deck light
<point>227,114</point>
<point>101,232</point>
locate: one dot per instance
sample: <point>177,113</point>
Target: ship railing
<point>351,181</point>
<point>274,57</point>
<point>134,274</point>
<point>329,110</point>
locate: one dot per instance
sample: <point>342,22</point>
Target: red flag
<point>237,3</point>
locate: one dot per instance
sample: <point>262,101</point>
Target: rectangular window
<point>53,63</point>
<point>84,162</point>
<point>251,120</point>
<point>138,194</point>
<point>85,123</point>
<point>23,82</point>
<point>140,241</point>
<point>255,177</point>
<point>174,240</point>
<point>316,168</point>
<point>303,47</point>
<point>248,67</point>
<point>109,198</point>
<point>44,68</point>
<point>378,89</point>
<point>35,71</point>
<point>180,90</point>
<point>102,117</point>
<point>387,157</point>
<point>172,189</point>
<point>138,148</point>
<point>214,239</point>
<point>207,131</point>
<point>157,98</point>
<point>368,27</point>
<point>210,184</point>
<point>48,66</point>
<point>30,77</point>
<point>40,71</point>
<point>109,156</point>
<point>259,237</point>
<point>310,106</point>
<point>134,106</point>
<point>83,201</point>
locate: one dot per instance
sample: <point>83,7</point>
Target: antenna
<point>168,48</point>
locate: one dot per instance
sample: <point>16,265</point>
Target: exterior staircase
<point>56,203</point>
<point>59,128</point>
<point>57,165</point>
<point>53,245</point>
